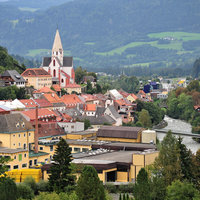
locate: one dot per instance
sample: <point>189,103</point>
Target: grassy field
<point>89,43</point>
<point>177,35</point>
<point>176,44</point>
<point>14,22</point>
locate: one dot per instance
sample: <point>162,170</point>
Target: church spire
<point>57,45</point>
<point>57,49</point>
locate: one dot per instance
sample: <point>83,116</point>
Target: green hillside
<point>108,33</point>
<point>7,62</point>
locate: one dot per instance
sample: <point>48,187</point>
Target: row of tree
<point>181,104</point>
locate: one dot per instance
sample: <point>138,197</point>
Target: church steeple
<point>57,49</point>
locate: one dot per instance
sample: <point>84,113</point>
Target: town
<point>115,131</point>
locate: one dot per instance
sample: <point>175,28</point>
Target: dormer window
<point>17,125</point>
<point>23,125</point>
<point>56,53</point>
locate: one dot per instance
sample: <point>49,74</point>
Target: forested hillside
<point>7,62</point>
<point>108,32</point>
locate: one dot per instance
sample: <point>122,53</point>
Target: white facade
<point>71,127</point>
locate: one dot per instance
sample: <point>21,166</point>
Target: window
<point>25,155</point>
<point>13,135</point>
<point>70,148</point>
<point>84,149</point>
<point>30,162</point>
<point>56,53</point>
<point>24,146</point>
<point>54,73</point>
<point>14,157</point>
<point>19,135</point>
<point>35,161</point>
<point>54,63</point>
<point>76,149</point>
<point>51,148</point>
<point>15,167</point>
<point>24,134</point>
<point>24,165</point>
<point>20,157</point>
<point>41,148</point>
<point>29,134</point>
<point>19,144</point>
<point>62,80</point>
<point>14,144</point>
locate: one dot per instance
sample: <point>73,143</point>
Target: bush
<point>111,188</point>
<point>126,188</point>
<point>24,191</point>
<point>30,181</point>
<point>43,186</point>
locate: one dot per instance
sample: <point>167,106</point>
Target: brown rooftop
<point>119,132</point>
<point>35,72</point>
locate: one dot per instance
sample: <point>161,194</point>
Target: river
<point>180,126</point>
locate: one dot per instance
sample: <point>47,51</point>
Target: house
<point>13,105</point>
<point>91,79</point>
<point>197,108</point>
<point>162,95</point>
<point>57,88</point>
<point>103,100</point>
<point>4,110</point>
<point>70,127</point>
<point>43,103</point>
<point>44,115</point>
<point>59,66</point>
<point>73,88</point>
<point>90,109</point>
<point>28,103</point>
<point>37,77</point>
<point>44,90</point>
<point>89,99</point>
<point>114,94</point>
<point>71,100</point>
<point>16,135</point>
<point>12,77</point>
<point>111,111</point>
<point>55,101</point>
<point>132,98</point>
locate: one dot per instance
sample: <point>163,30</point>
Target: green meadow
<point>47,52</point>
<point>176,44</point>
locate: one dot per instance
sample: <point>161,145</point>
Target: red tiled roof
<point>134,96</point>
<point>141,92</point>
<point>57,88</point>
<point>90,107</point>
<point>29,103</point>
<point>123,102</point>
<point>34,72</point>
<point>42,113</point>
<point>74,85</point>
<point>44,90</point>
<point>88,97</point>
<point>197,107</point>
<point>67,117</point>
<point>43,103</point>
<point>52,98</point>
<point>71,100</point>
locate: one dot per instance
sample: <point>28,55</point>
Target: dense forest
<point>99,37</point>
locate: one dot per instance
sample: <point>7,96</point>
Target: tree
<point>145,118</point>
<point>60,171</point>
<point>185,160</point>
<point>89,185</point>
<point>24,192</point>
<point>168,160</point>
<point>79,74</point>
<point>86,124</point>
<point>196,69</point>
<point>194,85</point>
<point>142,186</point>
<point>182,191</point>
<point>8,189</point>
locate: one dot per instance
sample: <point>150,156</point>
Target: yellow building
<point>70,88</point>
<point>37,77</point>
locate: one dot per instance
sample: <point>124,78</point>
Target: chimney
<point>36,130</point>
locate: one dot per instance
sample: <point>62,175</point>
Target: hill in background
<point>109,34</point>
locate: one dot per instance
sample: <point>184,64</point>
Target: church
<point>60,67</point>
